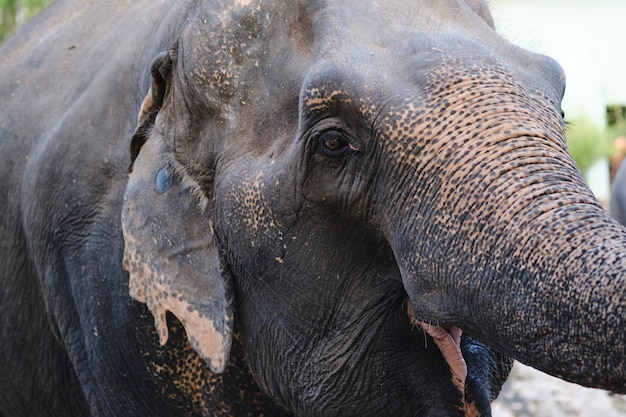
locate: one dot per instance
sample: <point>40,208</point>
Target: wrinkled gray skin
<point>312,185</point>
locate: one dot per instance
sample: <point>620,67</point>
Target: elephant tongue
<point>448,340</point>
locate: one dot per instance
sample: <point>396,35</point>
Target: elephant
<point>306,208</point>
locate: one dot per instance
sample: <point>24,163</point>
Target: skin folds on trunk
<point>551,304</point>
<point>555,302</point>
<point>527,261</point>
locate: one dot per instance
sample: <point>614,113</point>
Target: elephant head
<point>379,194</point>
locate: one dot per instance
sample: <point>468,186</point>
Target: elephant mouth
<point>448,340</point>
<point>447,337</point>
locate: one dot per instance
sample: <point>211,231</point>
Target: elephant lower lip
<point>448,340</point>
<point>447,337</point>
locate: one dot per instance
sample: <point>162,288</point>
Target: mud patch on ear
<point>172,257</point>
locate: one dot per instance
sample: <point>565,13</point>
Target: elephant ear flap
<point>172,257</point>
<point>160,70</point>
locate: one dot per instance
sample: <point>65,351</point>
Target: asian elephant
<point>292,208</point>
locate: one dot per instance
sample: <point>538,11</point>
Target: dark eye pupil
<point>333,144</point>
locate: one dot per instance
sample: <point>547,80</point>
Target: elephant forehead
<point>214,46</point>
<point>464,105</point>
<point>272,34</point>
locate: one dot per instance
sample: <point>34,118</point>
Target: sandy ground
<point>530,393</point>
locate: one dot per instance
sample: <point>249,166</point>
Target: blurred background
<point>588,38</point>
<point>14,13</point>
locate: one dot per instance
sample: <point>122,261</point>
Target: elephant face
<point>363,197</point>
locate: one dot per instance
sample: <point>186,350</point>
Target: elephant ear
<point>171,254</point>
<point>160,70</point>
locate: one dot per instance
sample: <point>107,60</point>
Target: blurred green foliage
<point>14,13</point>
<point>588,143</point>
<point>616,117</point>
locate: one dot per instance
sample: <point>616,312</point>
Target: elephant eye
<point>334,144</point>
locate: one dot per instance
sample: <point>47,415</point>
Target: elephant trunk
<point>541,280</point>
<point>499,235</point>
